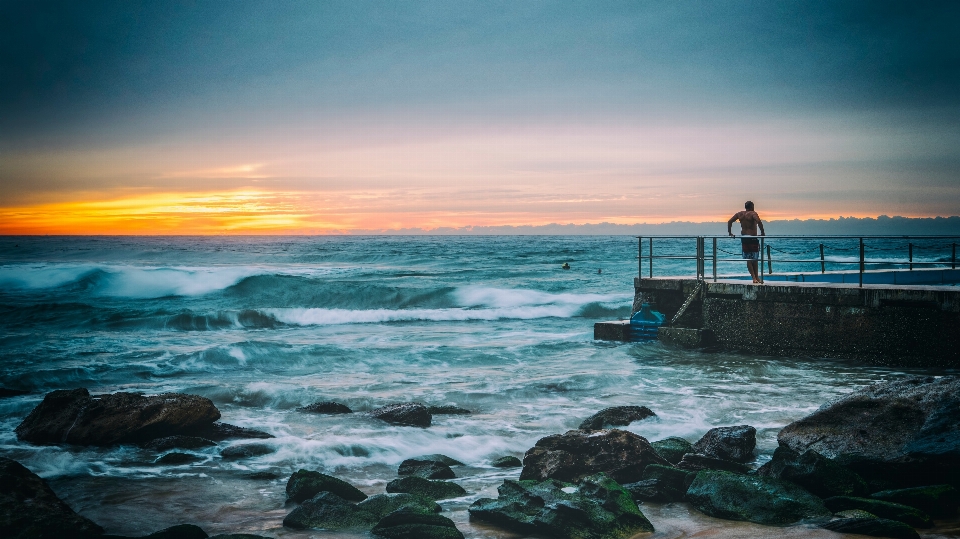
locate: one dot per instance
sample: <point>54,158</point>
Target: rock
<point>432,490</point>
<point>178,442</point>
<point>305,484</point>
<point>660,484</point>
<point>693,462</point>
<point>406,524</point>
<point>939,501</point>
<point>447,410</point>
<point>327,510</point>
<point>442,459</point>
<point>728,443</point>
<point>854,513</point>
<point>427,469</point>
<point>672,449</point>
<point>568,457</point>
<point>897,434</point>
<point>411,414</point>
<point>172,459</point>
<point>893,511</point>
<point>180,531</point>
<point>383,504</point>
<point>73,416</point>
<point>30,510</point>
<point>238,536</point>
<point>762,500</point>
<point>246,451</point>
<point>507,462</point>
<point>7,392</point>
<point>876,527</point>
<point>814,472</point>
<point>325,407</point>
<point>597,508</point>
<point>616,416</point>
<point>219,432</point>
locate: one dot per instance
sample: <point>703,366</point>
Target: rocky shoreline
<point>883,461</point>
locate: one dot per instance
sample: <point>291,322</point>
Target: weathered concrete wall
<point>887,325</point>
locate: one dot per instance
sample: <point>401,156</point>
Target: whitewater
<point>264,325</point>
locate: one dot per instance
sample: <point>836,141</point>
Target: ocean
<point>264,325</point>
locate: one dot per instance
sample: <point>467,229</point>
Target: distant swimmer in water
<point>750,246</point>
<point>599,271</point>
<point>565,266</point>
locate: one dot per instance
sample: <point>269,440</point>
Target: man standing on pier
<point>750,246</point>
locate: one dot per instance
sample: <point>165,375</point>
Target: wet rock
<point>616,416</point>
<point>305,484</point>
<point>383,504</point>
<point>876,527</point>
<point>180,531</point>
<point>728,443</point>
<point>898,434</point>
<point>814,472</point>
<point>30,510</point>
<point>673,449</point>
<point>596,508</point>
<point>219,432</point>
<point>939,501</point>
<point>442,459</point>
<point>329,511</point>
<point>854,513</point>
<point>178,442</point>
<point>175,458</point>
<point>620,454</point>
<point>238,536</point>
<point>507,462</point>
<point>893,511</point>
<point>432,490</point>
<point>325,407</point>
<point>763,500</point>
<point>448,410</point>
<point>660,484</point>
<point>693,462</point>
<point>427,469</point>
<point>73,416</point>
<point>246,451</point>
<point>406,524</point>
<point>7,392</point>
<point>411,414</point>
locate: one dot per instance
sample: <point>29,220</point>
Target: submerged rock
<point>673,449</point>
<point>325,407</point>
<point>814,472</point>
<point>507,462</point>
<point>219,432</point>
<point>29,509</point>
<point>73,416</point>
<point>178,442</point>
<point>893,511</point>
<point>432,490</point>
<point>728,443</point>
<point>448,410</point>
<point>568,457</point>
<point>442,459</point>
<point>329,511</point>
<point>896,434</point>
<point>693,462</point>
<point>427,469</point>
<point>411,414</point>
<point>596,508</point>
<point>172,459</point>
<point>407,524</point>
<point>876,527</point>
<point>305,484</point>
<point>763,500</point>
<point>616,416</point>
<point>245,451</point>
<point>936,500</point>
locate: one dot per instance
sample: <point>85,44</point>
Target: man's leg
<point>752,267</point>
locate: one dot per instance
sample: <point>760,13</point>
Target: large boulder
<point>442,459</point>
<point>673,448</point>
<point>814,472</point>
<point>874,527</point>
<point>427,469</point>
<point>728,443</point>
<point>412,414</point>
<point>246,451</point>
<point>73,416</point>
<point>407,524</point>
<point>305,484</point>
<point>757,499</point>
<point>661,484</point>
<point>938,501</point>
<point>30,510</point>
<point>882,509</point>
<point>325,407</point>
<point>432,490</point>
<point>897,434</point>
<point>596,508</point>
<point>219,432</point>
<point>568,457</point>
<point>331,512</point>
<point>693,462</point>
<point>616,416</point>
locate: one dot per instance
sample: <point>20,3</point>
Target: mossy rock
<point>305,484</point>
<point>507,462</point>
<point>427,469</point>
<point>762,500</point>
<point>673,449</point>
<point>814,472</point>
<point>939,501</point>
<point>876,527</point>
<point>406,524</point>
<point>382,505</point>
<point>329,511</point>
<point>893,511</point>
<point>432,490</point>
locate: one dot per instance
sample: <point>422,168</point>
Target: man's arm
<point>730,222</point>
<point>760,224</point>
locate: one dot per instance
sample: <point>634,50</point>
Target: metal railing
<point>863,244</point>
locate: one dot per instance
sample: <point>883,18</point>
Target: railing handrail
<point>806,236</point>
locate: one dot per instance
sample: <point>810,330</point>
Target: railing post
<point>823,266</point>
<point>861,263</point>
<point>769,262</point>
<point>651,256</point>
<point>715,259</point>
<point>639,257</point>
<point>761,260</point>
<point>910,247</point>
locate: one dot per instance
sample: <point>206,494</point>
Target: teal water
<point>263,325</point>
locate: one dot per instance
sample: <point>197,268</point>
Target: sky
<point>331,117</point>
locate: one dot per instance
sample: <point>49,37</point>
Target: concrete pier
<point>896,325</point>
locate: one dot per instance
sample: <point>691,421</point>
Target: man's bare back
<point>749,220</point>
